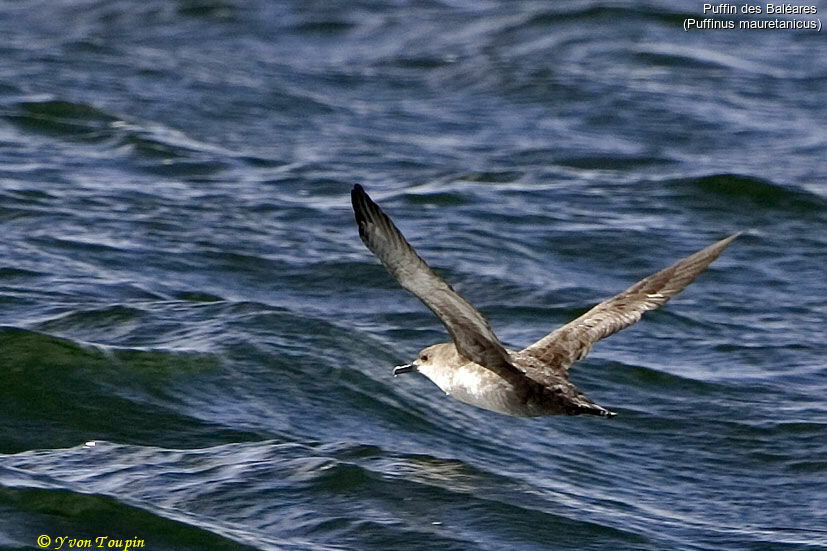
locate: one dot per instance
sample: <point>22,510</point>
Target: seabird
<point>476,368</point>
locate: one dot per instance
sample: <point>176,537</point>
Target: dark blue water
<point>196,348</point>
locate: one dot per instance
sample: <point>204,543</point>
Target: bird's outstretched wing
<point>469,329</point>
<point>570,343</point>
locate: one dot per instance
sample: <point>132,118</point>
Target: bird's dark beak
<point>403,369</point>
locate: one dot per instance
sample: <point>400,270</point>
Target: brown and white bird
<point>476,368</point>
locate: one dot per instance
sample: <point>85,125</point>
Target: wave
<point>57,392</point>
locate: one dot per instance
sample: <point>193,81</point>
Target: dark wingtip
<point>733,237</point>
<point>360,201</point>
<point>357,195</point>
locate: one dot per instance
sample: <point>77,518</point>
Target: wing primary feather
<point>572,342</point>
<point>468,328</point>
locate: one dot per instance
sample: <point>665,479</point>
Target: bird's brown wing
<point>468,328</point>
<point>570,343</point>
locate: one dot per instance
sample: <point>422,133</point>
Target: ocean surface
<point>196,348</point>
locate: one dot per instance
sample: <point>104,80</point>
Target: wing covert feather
<point>468,328</point>
<point>572,342</point>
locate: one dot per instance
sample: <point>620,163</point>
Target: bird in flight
<point>475,367</point>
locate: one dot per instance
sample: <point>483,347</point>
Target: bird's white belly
<point>483,388</point>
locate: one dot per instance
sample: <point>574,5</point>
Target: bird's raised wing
<point>469,329</point>
<point>570,343</point>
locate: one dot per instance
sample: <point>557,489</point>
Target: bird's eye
<point>423,358</point>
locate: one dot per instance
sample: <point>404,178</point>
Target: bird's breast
<point>475,385</point>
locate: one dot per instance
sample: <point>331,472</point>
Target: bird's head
<point>431,360</point>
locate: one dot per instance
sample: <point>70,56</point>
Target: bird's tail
<point>586,407</point>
